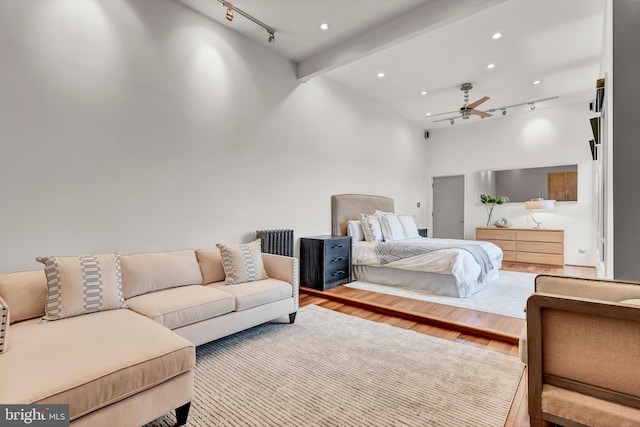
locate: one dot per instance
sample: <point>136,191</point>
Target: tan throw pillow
<point>82,285</point>
<point>4,326</point>
<point>242,263</point>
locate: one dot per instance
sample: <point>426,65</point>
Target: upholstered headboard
<point>349,206</point>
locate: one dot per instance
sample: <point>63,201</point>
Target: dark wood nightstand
<point>325,261</point>
<point>423,232</point>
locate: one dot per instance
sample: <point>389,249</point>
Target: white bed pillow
<point>354,229</point>
<point>371,228</point>
<point>392,229</point>
<point>409,226</point>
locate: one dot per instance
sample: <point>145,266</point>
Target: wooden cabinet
<point>325,261</point>
<point>563,186</point>
<point>526,245</point>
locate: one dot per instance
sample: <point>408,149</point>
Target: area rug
<point>506,296</point>
<point>332,369</point>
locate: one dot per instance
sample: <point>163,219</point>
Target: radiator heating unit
<point>279,242</point>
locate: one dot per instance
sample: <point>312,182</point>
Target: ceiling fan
<point>468,109</point>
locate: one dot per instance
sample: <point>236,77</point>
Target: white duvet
<point>454,261</point>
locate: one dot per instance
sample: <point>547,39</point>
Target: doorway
<point>448,207</point>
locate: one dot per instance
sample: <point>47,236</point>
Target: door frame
<point>464,200</point>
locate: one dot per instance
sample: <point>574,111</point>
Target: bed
<point>450,267</point>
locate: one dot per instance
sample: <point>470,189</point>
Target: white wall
<point>143,126</point>
<point>543,137</point>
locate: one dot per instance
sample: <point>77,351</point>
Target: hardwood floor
<point>468,327</point>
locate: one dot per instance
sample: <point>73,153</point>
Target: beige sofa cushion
<point>210,265</point>
<point>82,284</point>
<point>587,410</point>
<point>183,306</point>
<point>25,292</point>
<point>242,263</point>
<point>253,294</point>
<point>116,354</point>
<point>154,271</point>
<point>4,325</point>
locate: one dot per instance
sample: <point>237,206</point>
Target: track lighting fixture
<point>231,8</point>
<point>466,113</point>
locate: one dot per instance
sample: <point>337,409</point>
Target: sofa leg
<point>182,413</point>
<point>292,317</point>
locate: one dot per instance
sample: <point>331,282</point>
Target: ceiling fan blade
<point>478,102</point>
<point>440,114</point>
<point>480,113</point>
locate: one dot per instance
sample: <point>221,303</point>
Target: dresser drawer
<point>541,247</point>
<point>337,277</point>
<point>337,248</point>
<point>492,234</point>
<point>505,245</point>
<point>510,256</point>
<point>538,258</point>
<point>541,236</point>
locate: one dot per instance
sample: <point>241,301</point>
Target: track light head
<point>229,14</point>
<point>452,122</point>
<point>504,112</point>
<point>272,38</point>
<point>532,106</point>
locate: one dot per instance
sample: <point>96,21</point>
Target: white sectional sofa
<point>129,366</point>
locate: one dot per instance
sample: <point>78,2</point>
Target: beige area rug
<point>331,369</point>
<point>506,296</point>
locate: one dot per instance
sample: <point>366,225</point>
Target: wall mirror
<point>552,182</point>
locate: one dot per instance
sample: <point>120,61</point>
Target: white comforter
<point>457,262</point>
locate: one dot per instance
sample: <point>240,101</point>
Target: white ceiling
<point>435,46</point>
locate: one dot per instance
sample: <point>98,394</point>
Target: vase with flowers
<point>490,202</point>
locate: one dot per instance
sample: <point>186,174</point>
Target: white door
<point>448,207</point>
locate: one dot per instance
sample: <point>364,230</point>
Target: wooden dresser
<point>527,245</point>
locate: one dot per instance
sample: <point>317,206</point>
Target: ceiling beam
<point>432,15</point>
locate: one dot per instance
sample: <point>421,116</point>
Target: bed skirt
<point>435,283</point>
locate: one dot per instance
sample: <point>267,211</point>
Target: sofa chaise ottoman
<point>131,364</point>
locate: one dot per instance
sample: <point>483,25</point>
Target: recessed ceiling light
<point>496,36</point>
<point>536,82</point>
<point>380,75</point>
<point>428,114</point>
<point>423,93</point>
<point>490,66</point>
<point>324,26</point>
